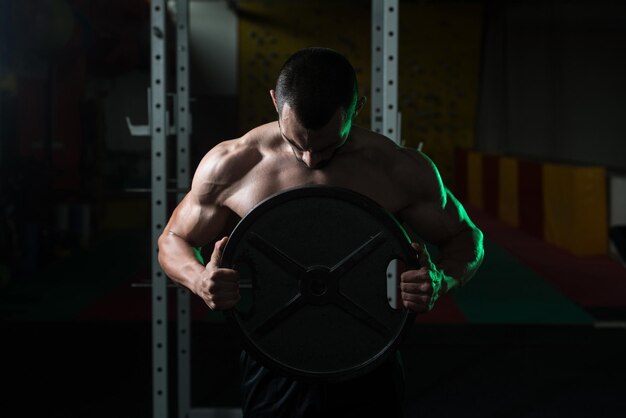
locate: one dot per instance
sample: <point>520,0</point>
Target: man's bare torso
<point>237,175</point>
<point>362,165</point>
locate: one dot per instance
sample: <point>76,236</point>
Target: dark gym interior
<point>520,104</point>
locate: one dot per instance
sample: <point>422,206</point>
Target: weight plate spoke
<point>357,311</point>
<point>357,255</point>
<point>273,321</point>
<point>281,259</point>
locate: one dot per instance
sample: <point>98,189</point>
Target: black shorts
<point>267,394</point>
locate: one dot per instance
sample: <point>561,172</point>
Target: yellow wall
<point>575,208</point>
<point>439,76</point>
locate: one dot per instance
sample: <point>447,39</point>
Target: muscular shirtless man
<point>314,142</point>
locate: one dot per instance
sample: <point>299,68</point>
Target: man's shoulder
<point>409,168</point>
<point>396,158</point>
<point>226,160</point>
<point>233,158</point>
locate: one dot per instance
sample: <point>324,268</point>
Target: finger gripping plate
<point>313,264</point>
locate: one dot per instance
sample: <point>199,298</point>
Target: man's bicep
<point>198,222</point>
<point>436,221</point>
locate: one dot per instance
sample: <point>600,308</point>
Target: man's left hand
<point>421,288</point>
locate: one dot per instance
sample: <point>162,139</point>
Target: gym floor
<point>513,343</point>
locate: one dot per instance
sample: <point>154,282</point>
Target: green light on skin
<point>198,252</point>
<point>345,132</point>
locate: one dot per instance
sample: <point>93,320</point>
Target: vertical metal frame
<point>384,94</point>
<point>385,118</point>
<point>376,94</point>
<point>390,70</point>
<point>158,130</point>
<point>183,131</point>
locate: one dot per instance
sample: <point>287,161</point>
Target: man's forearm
<point>179,260</point>
<point>460,259</point>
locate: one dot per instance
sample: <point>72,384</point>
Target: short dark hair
<point>316,82</point>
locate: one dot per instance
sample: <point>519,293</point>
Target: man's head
<point>316,101</point>
<point>316,82</point>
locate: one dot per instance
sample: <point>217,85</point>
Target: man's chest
<point>370,180</point>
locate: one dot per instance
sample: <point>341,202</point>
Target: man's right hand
<point>219,287</point>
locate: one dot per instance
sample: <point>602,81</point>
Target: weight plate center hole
<point>318,286</point>
<point>318,280</point>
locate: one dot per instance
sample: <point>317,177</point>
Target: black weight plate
<point>313,265</point>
